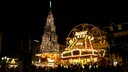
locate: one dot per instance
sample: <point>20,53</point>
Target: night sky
<point>31,17</point>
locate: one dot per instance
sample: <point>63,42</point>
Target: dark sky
<point>31,17</point>
<point>69,14</point>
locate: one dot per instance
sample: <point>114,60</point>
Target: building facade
<point>0,41</point>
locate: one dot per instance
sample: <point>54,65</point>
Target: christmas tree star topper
<point>50,4</point>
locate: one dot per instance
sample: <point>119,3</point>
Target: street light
<point>4,58</point>
<point>36,41</point>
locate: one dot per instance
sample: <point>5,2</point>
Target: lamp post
<point>4,64</point>
<point>4,59</point>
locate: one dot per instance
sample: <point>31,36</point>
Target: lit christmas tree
<point>49,39</point>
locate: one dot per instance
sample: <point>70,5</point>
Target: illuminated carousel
<point>81,45</point>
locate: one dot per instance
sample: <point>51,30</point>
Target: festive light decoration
<point>84,45</point>
<point>49,39</point>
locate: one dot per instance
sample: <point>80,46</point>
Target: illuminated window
<point>76,52</point>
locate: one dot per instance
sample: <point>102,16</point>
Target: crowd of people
<point>69,68</point>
